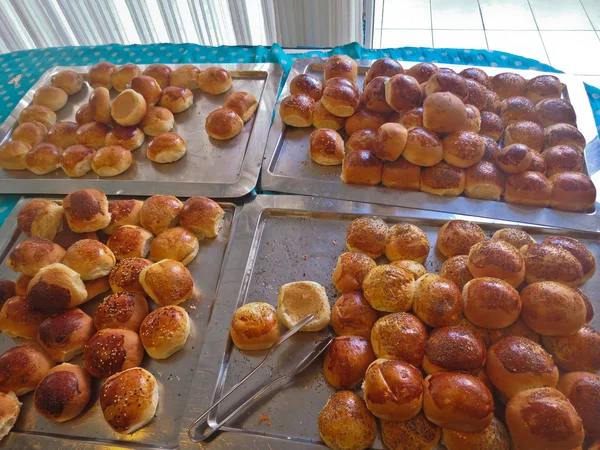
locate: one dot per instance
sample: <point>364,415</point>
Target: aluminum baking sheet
<point>288,168</point>
<point>174,375</point>
<point>282,239</point>
<point>225,169</point>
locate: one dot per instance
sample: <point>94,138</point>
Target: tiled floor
<point>563,33</point>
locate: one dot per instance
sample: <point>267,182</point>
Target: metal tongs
<point>301,366</point>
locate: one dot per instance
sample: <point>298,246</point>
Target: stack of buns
<point>436,128</point>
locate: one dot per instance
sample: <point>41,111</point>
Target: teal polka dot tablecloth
<point>20,70</point>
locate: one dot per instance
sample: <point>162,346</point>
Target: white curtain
<point>27,24</point>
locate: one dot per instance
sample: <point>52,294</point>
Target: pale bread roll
<point>298,299</point>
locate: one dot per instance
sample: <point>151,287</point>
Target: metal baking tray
<point>282,239</point>
<point>174,375</point>
<point>288,168</point>
<point>225,169</point>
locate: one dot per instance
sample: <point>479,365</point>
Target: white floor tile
<point>377,38</point>
<point>523,43</point>
<point>459,39</point>
<point>507,15</point>
<point>406,38</point>
<point>560,15</point>
<point>378,14</point>
<point>406,14</point>
<point>573,51</point>
<point>592,7</point>
<point>455,15</point>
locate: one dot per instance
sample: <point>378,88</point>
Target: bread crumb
<point>334,242</point>
<point>304,257</point>
<point>265,418</point>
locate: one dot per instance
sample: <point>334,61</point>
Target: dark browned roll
<point>125,276</point>
<point>515,158</point>
<point>578,250</point>
<point>562,158</point>
<point>548,262</point>
<point>456,237</point>
<point>443,179</point>
<point>308,85</point>
<point>401,174</point>
<point>347,360</point>
<point>528,188</point>
<point>463,148</point>
<point>367,235</point>
<point>494,436</point>
<point>528,133</point>
<point>563,134</point>
<point>411,118</point>
<point>517,328</point>
<point>373,97</point>
<point>362,167</point>
<point>582,389</point>
<point>363,120</point>
<point>509,84</point>
<point>544,86</point>
<point>422,71</point>
<point>22,368</point>
<point>572,191</point>
<point>491,125</point>
<point>491,148</point>
<point>485,181</point>
<point>498,259</point>
<point>493,102</point>
<point>476,74</point>
<point>64,335</point>
<point>403,92</point>
<point>352,315</point>
<point>491,302</point>
<point>417,433</point>
<point>326,147</point>
<point>7,290</point>
<point>555,110</point>
<point>341,97</point>
<point>437,301</point>
<point>122,310</point>
<point>579,352</point>
<point>445,81</point>
<point>518,109</point>
<point>110,351</point>
<point>341,66</point>
<point>19,318</point>
<point>399,336</point>
<point>423,147</point>
<point>160,72</point>
<point>454,349</point>
<point>477,93</point>
<point>383,67</point>
<point>22,284</point>
<point>456,269</point>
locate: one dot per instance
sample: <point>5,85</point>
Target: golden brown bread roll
<point>494,436</point>
<point>185,76</point>
<point>417,433</point>
<point>491,302</point>
<point>528,133</point>
<point>484,180</point>
<point>389,288</point>
<point>411,118</point>
<point>242,103</point>
<point>13,155</point>
<point>517,328</point>
<point>122,310</point>
<point>423,147</point>
<point>547,262</point>
<point>544,86</point>
<point>165,331</point>
<point>562,158</point>
<point>160,72</point>
<point>110,351</point>
<point>383,67</point>
<point>123,212</point>
<point>446,81</point>
<point>572,191</point>
<point>99,106</point>
<point>63,134</point>
<point>30,133</point>
<point>166,148</point>
<point>352,315</point>
<point>363,120</point>
<point>491,125</point>
<point>391,140</point>
<point>129,138</point>
<point>38,113</point>
<point>403,92</point>
<point>11,408</point>
<point>493,102</point>
<point>347,360</point>
<point>90,258</point>
<point>406,241</point>
<point>322,118</point>
<point>158,120</point>
<point>130,241</point>
<point>86,210</point>
<point>22,368</point>
<point>111,161</point>
<point>491,148</point>
<point>55,288</point>
<point>362,140</point>
<point>537,164</point>
<point>401,174</point>
<point>473,122</point>
<point>497,259</point>
<point>457,401</point>
<point>178,244</point>
<point>122,76</point>
<point>373,96</point>
<point>167,282</point>
<point>341,66</point>
<point>43,158</point>
<point>582,389</point>
<point>422,71</point>
<point>515,158</point>
<point>456,237</point>
<point>437,301</point>
<point>64,335</point>
<point>40,217</point>
<point>417,269</point>
<point>203,216</point>
<point>96,287</point>
<point>543,419</point>
<point>226,124</point>
<point>528,188</point>
<point>578,250</point>
<point>476,74</point>
<point>160,212</point>
<point>476,93</point>
<point>555,110</point>
<point>176,99</point>
<point>129,399</point>
<point>341,97</point>
<point>454,349</point>
<point>345,422</point>
<point>18,318</point>
<point>579,352</point>
<point>399,336</point>
<point>361,167</point>
<point>518,109</point>
<point>350,270</point>
<point>308,85</point>
<point>92,134</point>
<point>51,97</point>
<point>443,179</point>
<point>444,112</point>
<point>456,270</point>
<point>83,115</point>
<point>67,80</point>
<point>563,134</point>
<point>214,80</point>
<point>367,235</point>
<point>33,254</point>
<point>254,326</point>
<point>326,147</point>
<point>125,276</point>
<point>22,284</point>
<point>481,333</point>
<point>509,84</point>
<point>76,160</point>
<point>297,110</point>
<point>514,236</point>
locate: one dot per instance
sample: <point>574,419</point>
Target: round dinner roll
<point>582,389</point>
<point>76,160</point>
<point>185,76</point>
<point>373,96</point>
<point>544,86</point>
<point>130,138</point>
<point>322,118</point>
<point>410,118</point>
<point>543,419</point>
<point>308,85</point>
<point>298,299</point>
<point>340,66</point>
<point>96,287</point>
<point>67,80</point>
<point>508,84</point>
<point>13,155</point>
<point>178,244</point>
<point>399,336</point>
<point>223,124</point>
<point>491,125</point>
<point>446,81</point>
<point>38,113</point>
<point>497,259</point>
<point>437,301</point>
<point>167,282</point>
<point>476,74</point>
<point>389,288</point>
<point>111,161</point>
<point>456,270</point>
<point>362,140</point>
<point>129,108</point>
<point>493,102</point>
<point>18,318</point>
<point>21,284</point>
<point>391,140</point>
<point>361,167</point>
<point>214,80</point>
<point>160,72</point>
<point>7,290</point>
<point>62,134</point>
<point>367,235</point>
<point>22,368</point>
<point>484,180</point>
<point>296,110</point>
<point>30,133</point>
<point>454,349</point>
<point>345,423</point>
<point>443,112</point>
<point>423,147</point>
<point>203,216</point>
<point>393,390</point>
<point>515,364</point>
<point>443,179</point>
<point>160,212</point>
<point>547,262</point>
<point>456,237</point>
<point>552,309</point>
<point>254,326</point>
<point>527,133</point>
<point>417,433</point>
<point>491,303</point>
<point>83,115</point>
<point>482,333</point>
<point>406,241</point>
<point>341,97</point>
<point>517,328</point>
<point>473,122</point>
<point>166,148</point>
<point>578,250</point>
<point>122,76</point>
<point>176,99</point>
<point>100,75</point>
<point>555,110</point>
<point>518,109</point>
<point>63,393</point>
<point>130,241</point>
<point>401,174</point>
<point>528,188</point>
<point>326,147</point>
<point>10,407</point>
<point>123,212</point>
<point>99,106</point>
<point>363,119</point>
<point>122,310</point>
<point>158,120</point>
<point>110,351</point>
<point>572,191</point>
<point>129,399</point>
<point>91,259</point>
<point>514,236</point>
<point>562,158</point>
<point>92,134</point>
<point>422,71</point>
<point>125,276</point>
<point>383,67</point>
<point>41,218</point>
<point>403,92</point>
<point>33,254</point>
<point>165,331</point>
<point>494,436</point>
<point>242,103</point>
<point>52,97</point>
<point>491,148</point>
<point>579,352</point>
<point>350,271</point>
<point>352,315</point>
<point>347,360</point>
<point>563,134</point>
<point>476,93</point>
<point>64,335</point>
<point>55,288</point>
<point>457,401</point>
<point>43,158</point>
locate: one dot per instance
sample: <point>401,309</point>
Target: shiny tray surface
<point>216,168</point>
<point>288,168</point>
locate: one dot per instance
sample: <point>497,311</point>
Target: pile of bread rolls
<point>446,133</point>
<point>75,251</point>
<point>105,132</point>
<point>502,329</point>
